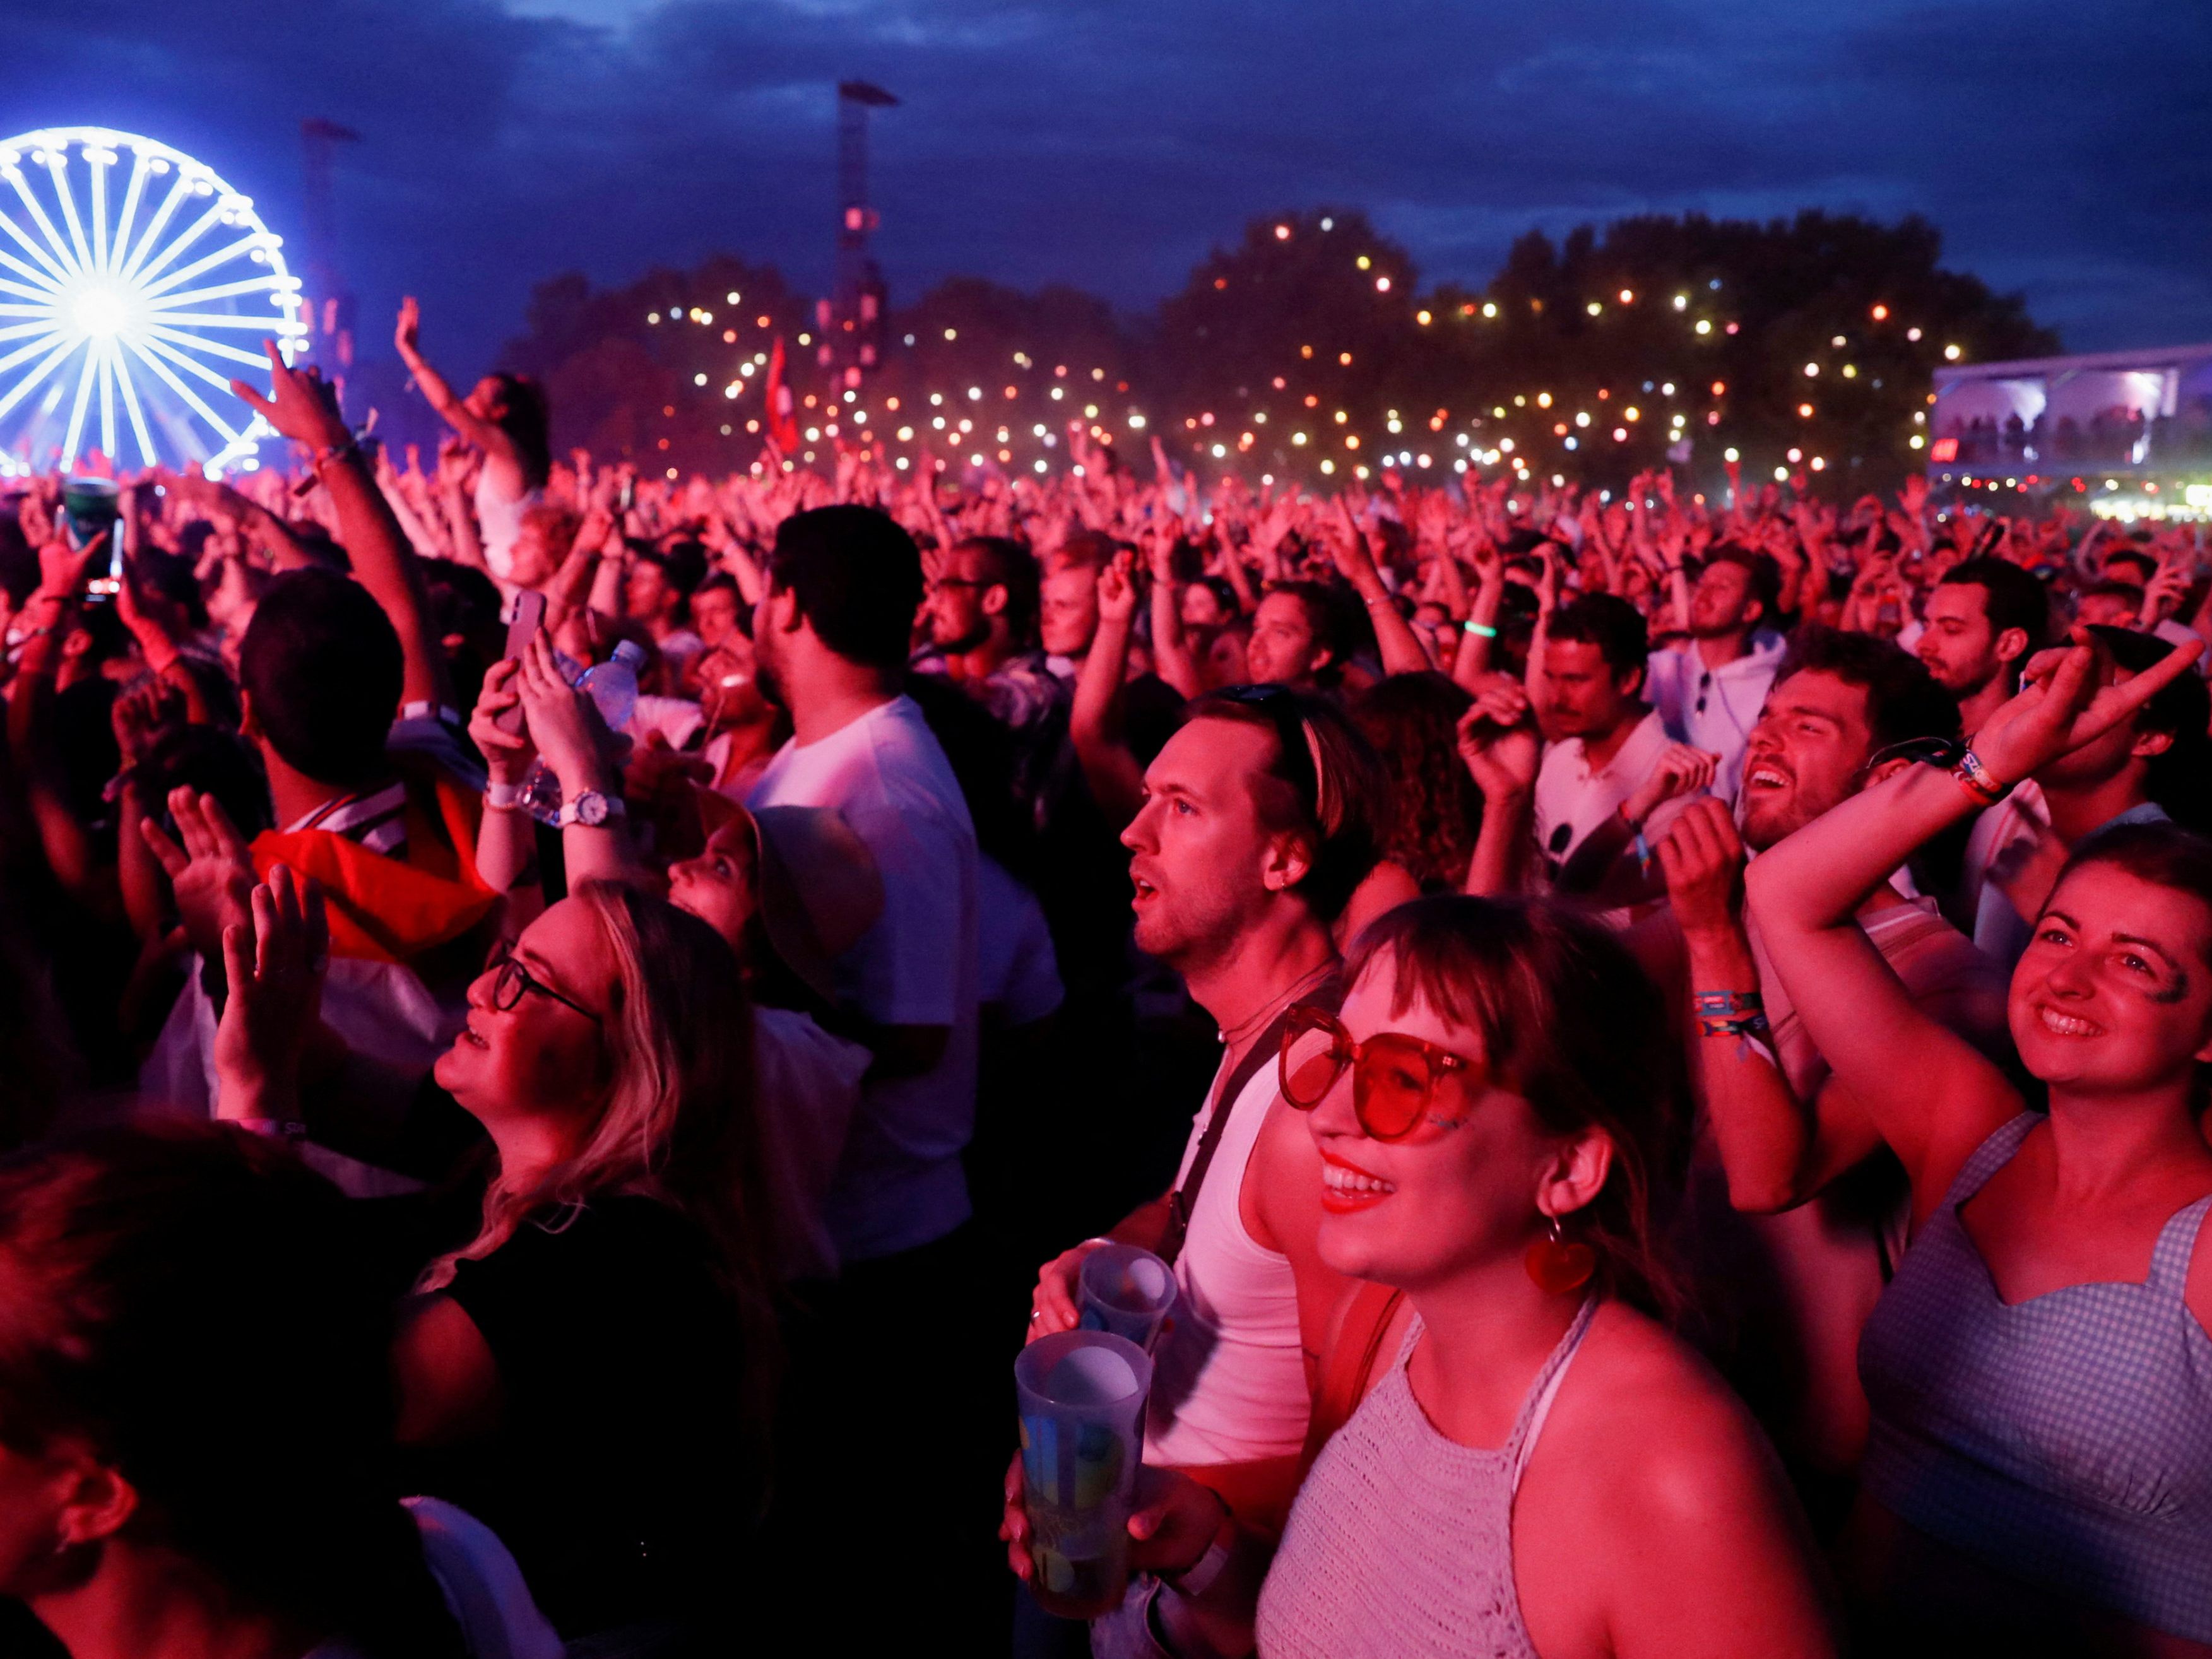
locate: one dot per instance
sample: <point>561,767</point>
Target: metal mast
<point>329,312</point>
<point>852,318</point>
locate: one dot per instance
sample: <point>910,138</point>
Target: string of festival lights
<point>980,423</point>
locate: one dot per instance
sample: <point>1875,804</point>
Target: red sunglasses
<point>1393,1077</point>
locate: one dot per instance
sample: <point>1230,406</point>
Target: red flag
<point>783,422</point>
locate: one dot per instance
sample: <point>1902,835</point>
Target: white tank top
<point>1229,1384</point>
<point>499,520</point>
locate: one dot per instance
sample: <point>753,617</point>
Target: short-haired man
<point>829,639</point>
<point>1795,1283</point>
<point>830,636</point>
<point>1067,599</point>
<point>1253,834</point>
<point>1585,679</point>
<point>1982,622</point>
<point>2112,603</point>
<point>1708,692</point>
<point>982,614</point>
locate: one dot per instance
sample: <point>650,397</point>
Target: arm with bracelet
<point>1928,1094</point>
<point>1400,647</point>
<point>1776,1150</point>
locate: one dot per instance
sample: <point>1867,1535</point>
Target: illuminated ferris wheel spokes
<point>158,308</point>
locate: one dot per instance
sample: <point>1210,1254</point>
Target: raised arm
<point>1497,743</point>
<point>1929,1094</point>
<point>485,434</point>
<point>1117,782</point>
<point>305,409</point>
<point>1394,638</point>
<point>1171,657</point>
<point>1776,1150</point>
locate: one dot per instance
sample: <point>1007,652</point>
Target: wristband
<point>1194,1580</point>
<point>1739,1014</point>
<point>502,797</point>
<point>1199,1577</point>
<point>328,453</point>
<point>1978,780</point>
<point>1480,630</point>
<point>275,1128</point>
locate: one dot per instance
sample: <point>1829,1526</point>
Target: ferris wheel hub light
<point>100,311</point>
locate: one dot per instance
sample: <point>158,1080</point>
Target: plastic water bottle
<point>613,687</point>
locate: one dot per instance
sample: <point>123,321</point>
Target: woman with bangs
<point>589,1373</point>
<point>2038,1476</point>
<point>1536,1466</point>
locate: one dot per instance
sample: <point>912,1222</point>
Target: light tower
<point>329,313</point>
<point>851,319</point>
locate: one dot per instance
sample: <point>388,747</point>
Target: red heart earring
<point>1558,1267</point>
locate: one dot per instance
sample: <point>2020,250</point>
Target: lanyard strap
<point>1328,994</point>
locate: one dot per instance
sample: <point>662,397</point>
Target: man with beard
<point>830,635</point>
<point>1984,620</point>
<point>983,616</point>
<point>1253,834</point>
<point>1708,692</point>
<point>1793,1285</point>
<point>983,626</point>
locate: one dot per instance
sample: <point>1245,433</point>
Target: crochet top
<point>1402,1541</point>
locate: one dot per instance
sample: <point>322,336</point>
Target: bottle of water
<point>613,687</point>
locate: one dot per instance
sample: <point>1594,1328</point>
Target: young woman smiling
<point>2038,1477</point>
<point>1500,1111</point>
<point>588,1374</point>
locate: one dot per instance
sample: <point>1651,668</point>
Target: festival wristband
<point>1980,784</point>
<point>1738,1014</point>
<point>1480,630</point>
<point>502,797</point>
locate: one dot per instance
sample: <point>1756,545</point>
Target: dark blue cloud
<point>2066,150</point>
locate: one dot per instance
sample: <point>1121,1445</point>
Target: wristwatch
<point>592,810</point>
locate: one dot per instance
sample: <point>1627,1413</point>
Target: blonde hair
<point>678,1123</point>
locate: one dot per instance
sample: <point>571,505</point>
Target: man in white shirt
<point>1605,741</point>
<point>1708,693</point>
<point>830,636</point>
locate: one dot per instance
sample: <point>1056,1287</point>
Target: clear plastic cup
<point>1126,1291</point>
<point>1082,1397</point>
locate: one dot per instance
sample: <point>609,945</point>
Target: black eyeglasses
<point>514,979</point>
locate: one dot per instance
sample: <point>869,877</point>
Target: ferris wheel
<point>134,284</point>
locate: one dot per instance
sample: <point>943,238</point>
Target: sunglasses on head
<point>1285,711</point>
<point>1393,1077</point>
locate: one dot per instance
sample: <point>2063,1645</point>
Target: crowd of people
<point>550,1015</point>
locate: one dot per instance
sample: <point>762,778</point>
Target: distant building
<point>2130,432</point>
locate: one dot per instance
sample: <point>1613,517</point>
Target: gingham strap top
<point>2066,1440</point>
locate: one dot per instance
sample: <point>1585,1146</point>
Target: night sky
<point>2062,149</point>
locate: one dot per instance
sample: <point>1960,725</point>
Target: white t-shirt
<point>1020,973</point>
<point>807,1084</point>
<point>1571,799</point>
<point>899,1184</point>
